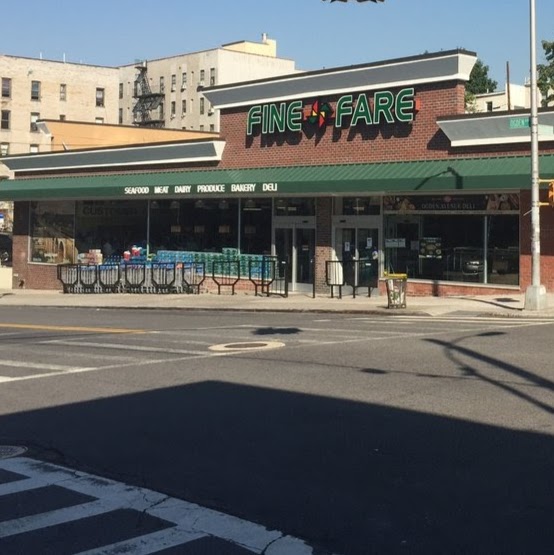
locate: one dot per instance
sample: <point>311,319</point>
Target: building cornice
<point>454,65</point>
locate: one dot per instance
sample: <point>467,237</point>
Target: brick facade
<point>420,140</point>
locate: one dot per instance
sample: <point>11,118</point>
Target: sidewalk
<point>510,305</point>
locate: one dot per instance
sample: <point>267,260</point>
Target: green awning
<point>467,174</point>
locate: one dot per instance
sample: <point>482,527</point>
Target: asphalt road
<point>358,434</point>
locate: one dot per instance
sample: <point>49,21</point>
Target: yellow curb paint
<point>69,328</point>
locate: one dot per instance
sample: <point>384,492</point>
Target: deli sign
<point>349,111</point>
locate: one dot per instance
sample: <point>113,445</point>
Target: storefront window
<point>255,226</point>
<point>473,238</point>
<point>52,230</point>
<point>113,226</point>
<point>295,207</point>
<point>357,206</point>
<point>193,225</point>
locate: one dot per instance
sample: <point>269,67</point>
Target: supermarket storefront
<point>366,162</point>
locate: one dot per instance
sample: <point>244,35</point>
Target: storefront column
<point>323,241</point>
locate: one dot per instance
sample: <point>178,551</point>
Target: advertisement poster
<point>430,247</point>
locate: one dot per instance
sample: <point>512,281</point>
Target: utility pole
<point>535,295</point>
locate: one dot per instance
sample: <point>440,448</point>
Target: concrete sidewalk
<point>509,305</point>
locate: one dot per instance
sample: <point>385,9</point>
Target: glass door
<point>358,250</point>
<point>295,245</point>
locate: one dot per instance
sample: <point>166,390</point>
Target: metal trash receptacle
<point>396,290</point>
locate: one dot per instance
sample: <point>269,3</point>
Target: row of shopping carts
<point>167,277</point>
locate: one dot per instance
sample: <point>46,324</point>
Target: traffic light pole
<point>535,295</point>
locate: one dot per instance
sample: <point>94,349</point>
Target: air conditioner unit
<point>201,83</point>
<point>183,87</point>
<point>211,112</point>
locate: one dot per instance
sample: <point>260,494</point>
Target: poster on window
<point>430,247</point>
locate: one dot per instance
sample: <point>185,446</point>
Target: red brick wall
<point>546,238</point>
<point>323,241</point>
<point>25,275</point>
<point>422,139</point>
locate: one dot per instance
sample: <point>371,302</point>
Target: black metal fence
<point>356,274</point>
<point>132,277</point>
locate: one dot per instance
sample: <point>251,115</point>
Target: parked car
<point>5,249</point>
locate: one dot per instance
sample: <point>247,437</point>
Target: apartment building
<point>173,85</point>
<point>512,97</point>
<point>34,89</point>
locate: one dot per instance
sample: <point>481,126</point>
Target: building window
<point>35,90</point>
<point>202,106</point>
<point>212,76</point>
<point>6,87</point>
<point>202,77</point>
<point>201,128</point>
<point>489,106</point>
<point>33,149</point>
<point>99,120</point>
<point>62,117</point>
<point>183,107</point>
<point>52,229</point>
<point>120,91</point>
<point>173,82</point>
<point>478,245</point>
<point>100,97</point>
<point>120,116</point>
<point>63,92</point>
<point>162,84</point>
<point>212,128</point>
<point>183,80</point>
<point>162,111</point>
<point>35,116</point>
<point>5,121</point>
<point>4,149</point>
<point>173,108</point>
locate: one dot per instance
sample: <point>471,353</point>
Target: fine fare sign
<point>349,111</point>
<point>204,189</point>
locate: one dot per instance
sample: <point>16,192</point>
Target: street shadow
<point>353,478</point>
<point>459,354</point>
<point>276,331</point>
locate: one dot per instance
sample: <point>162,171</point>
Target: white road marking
<point>148,543</point>
<point>191,521</point>
<point>121,347</point>
<point>36,365</point>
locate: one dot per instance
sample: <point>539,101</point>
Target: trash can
<point>396,290</point>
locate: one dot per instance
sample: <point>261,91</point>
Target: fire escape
<point>147,101</point>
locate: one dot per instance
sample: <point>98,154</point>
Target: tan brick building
<point>34,89</point>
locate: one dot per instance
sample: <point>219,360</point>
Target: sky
<point>316,34</point>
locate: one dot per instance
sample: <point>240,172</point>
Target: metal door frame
<point>293,223</point>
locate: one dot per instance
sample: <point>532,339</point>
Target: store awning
<point>456,175</point>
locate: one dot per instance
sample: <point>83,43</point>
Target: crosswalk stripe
<point>148,543</point>
<point>190,521</point>
<point>20,486</point>
<point>58,516</point>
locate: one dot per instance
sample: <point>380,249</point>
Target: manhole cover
<point>8,451</point>
<point>249,346</point>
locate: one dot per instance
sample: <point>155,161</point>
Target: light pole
<point>535,295</point>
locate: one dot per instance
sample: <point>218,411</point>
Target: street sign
<point>519,123</point>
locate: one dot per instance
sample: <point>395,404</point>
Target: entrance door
<point>296,246</point>
<point>358,249</point>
